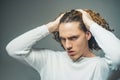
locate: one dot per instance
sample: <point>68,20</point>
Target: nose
<point>68,45</point>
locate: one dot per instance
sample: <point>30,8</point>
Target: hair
<point>74,15</point>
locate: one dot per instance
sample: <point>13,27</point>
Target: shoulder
<point>101,64</point>
<point>97,61</point>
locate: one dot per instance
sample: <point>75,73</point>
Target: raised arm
<point>107,41</point>
<point>22,45</point>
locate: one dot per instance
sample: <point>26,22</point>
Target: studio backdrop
<point>19,16</point>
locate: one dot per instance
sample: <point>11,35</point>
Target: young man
<point>78,33</point>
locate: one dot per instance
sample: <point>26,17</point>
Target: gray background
<point>19,16</point>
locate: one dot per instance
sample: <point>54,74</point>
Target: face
<point>74,40</point>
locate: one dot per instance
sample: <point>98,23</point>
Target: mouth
<point>71,53</point>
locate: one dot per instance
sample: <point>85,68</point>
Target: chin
<point>74,58</point>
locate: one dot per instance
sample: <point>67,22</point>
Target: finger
<point>60,16</point>
<point>78,10</point>
<point>81,10</point>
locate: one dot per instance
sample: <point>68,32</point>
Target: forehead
<point>69,29</point>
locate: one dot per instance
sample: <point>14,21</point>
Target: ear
<point>88,35</point>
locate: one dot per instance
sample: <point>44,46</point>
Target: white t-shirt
<point>57,65</point>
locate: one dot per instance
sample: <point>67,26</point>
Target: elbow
<point>16,52</point>
<point>10,50</point>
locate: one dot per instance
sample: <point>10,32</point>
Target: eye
<point>74,38</point>
<point>62,39</point>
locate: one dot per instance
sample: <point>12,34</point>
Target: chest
<point>69,71</point>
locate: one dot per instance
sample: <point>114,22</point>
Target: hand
<point>53,26</point>
<point>86,18</point>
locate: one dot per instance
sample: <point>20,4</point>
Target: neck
<point>88,53</point>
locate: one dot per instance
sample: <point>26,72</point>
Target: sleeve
<point>109,43</point>
<point>21,47</point>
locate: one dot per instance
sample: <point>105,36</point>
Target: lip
<point>71,53</point>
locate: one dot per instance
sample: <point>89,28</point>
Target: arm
<point>108,42</point>
<point>21,49</point>
<point>21,46</point>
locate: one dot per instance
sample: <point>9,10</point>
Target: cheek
<point>81,43</point>
<point>77,44</point>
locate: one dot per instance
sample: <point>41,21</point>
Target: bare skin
<point>53,26</point>
<point>86,18</point>
<point>74,40</point>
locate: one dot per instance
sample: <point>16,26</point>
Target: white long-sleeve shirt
<point>56,65</point>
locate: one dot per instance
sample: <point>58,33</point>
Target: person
<point>79,33</point>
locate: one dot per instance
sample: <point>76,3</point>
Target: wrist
<point>89,23</point>
<point>51,26</point>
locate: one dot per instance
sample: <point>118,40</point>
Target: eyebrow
<point>73,36</point>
